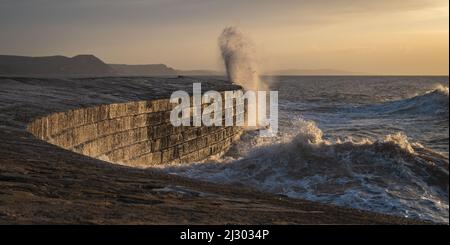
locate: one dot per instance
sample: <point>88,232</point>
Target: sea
<point>374,143</point>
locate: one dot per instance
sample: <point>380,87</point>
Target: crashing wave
<point>434,102</point>
<point>391,175</point>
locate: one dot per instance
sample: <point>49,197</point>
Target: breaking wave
<point>390,175</point>
<point>434,102</point>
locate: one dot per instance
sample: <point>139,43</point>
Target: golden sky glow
<point>371,37</point>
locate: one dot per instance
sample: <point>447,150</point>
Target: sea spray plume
<point>239,57</point>
<point>238,54</point>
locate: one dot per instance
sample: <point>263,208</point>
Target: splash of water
<point>239,54</point>
<point>442,89</point>
<point>390,175</point>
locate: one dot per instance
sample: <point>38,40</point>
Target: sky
<point>381,37</point>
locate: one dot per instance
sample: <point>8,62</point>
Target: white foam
<point>384,175</point>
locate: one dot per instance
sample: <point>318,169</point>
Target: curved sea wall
<point>137,134</point>
<point>121,119</point>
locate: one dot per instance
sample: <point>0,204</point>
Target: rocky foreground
<point>41,183</point>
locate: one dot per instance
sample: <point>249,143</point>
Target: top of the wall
<point>29,98</point>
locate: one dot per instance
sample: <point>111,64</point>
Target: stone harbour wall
<point>137,134</point>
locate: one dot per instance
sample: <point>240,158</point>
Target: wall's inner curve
<point>137,134</point>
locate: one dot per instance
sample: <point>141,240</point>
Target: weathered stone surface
<point>112,132</point>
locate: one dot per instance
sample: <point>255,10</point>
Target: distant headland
<point>90,65</point>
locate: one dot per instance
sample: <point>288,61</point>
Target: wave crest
<point>441,89</point>
<point>434,102</point>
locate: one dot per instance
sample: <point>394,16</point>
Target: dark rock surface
<point>41,183</point>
